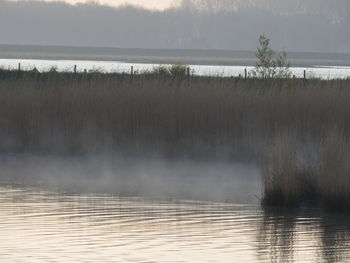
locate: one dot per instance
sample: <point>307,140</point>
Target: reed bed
<point>291,180</point>
<point>174,115</point>
<point>333,173</point>
<point>188,116</point>
<point>281,173</point>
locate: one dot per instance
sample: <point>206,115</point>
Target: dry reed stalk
<point>63,112</point>
<point>280,173</point>
<point>334,173</point>
<point>180,116</point>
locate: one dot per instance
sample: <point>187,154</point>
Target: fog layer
<point>148,177</point>
<point>312,25</point>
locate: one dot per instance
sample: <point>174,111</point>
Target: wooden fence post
<point>19,66</point>
<point>304,79</point>
<point>245,73</point>
<point>132,70</point>
<point>75,69</point>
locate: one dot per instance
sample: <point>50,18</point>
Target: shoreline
<point>164,56</point>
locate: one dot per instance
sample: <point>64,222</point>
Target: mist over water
<point>155,178</point>
<point>159,167</point>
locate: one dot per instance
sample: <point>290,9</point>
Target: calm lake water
<point>323,72</point>
<point>42,226</point>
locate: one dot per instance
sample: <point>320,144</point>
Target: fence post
<point>132,70</point>
<point>304,79</point>
<point>245,73</point>
<point>75,69</point>
<point>19,66</point>
<point>188,71</point>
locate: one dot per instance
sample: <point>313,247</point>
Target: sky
<point>152,4</point>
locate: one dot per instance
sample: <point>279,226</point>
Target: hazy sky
<point>295,25</point>
<point>154,4</point>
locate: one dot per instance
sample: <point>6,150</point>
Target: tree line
<point>183,27</point>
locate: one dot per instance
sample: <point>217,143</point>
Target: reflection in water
<point>38,226</point>
<point>276,236</point>
<point>304,236</point>
<point>335,238</point>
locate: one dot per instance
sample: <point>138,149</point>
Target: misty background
<point>148,177</point>
<point>295,25</point>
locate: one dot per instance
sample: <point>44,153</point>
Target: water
<point>42,226</point>
<point>323,72</point>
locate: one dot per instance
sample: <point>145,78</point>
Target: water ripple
<point>39,226</point>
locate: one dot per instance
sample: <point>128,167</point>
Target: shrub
<point>174,70</point>
<point>270,64</point>
<point>178,69</point>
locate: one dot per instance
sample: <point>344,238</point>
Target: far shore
<point>165,56</point>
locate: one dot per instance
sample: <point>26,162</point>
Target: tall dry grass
<point>333,173</point>
<point>179,115</point>
<point>280,173</point>
<point>291,181</point>
<point>173,115</point>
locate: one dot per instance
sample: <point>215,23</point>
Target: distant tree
<point>270,64</point>
<point>265,67</point>
<point>92,2</point>
<point>282,66</point>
